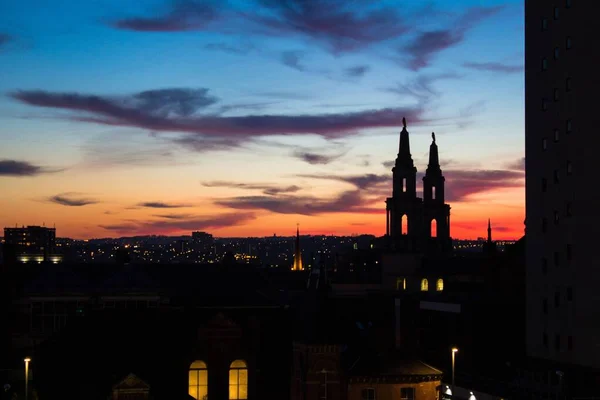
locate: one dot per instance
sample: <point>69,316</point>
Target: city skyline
<point>244,120</point>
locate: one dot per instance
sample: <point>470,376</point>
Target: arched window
<point>238,380</point>
<point>198,380</point>
<point>401,284</point>
<point>433,192</point>
<point>433,228</point>
<point>439,286</point>
<point>424,285</point>
<point>404,224</point>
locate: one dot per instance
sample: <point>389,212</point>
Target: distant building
<point>414,224</point>
<point>561,148</point>
<point>30,244</point>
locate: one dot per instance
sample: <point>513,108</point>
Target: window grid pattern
<point>238,380</point>
<point>198,380</point>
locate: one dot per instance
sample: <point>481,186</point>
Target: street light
<point>454,351</point>
<point>27,360</point>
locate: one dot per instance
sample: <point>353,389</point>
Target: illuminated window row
<point>439,286</point>
<point>238,380</point>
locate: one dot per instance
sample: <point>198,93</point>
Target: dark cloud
<point>217,130</point>
<point>366,181</point>
<point>338,24</point>
<point>357,71</point>
<point>389,164</point>
<point>426,45</point>
<point>239,49</point>
<point>176,225</point>
<point>71,200</point>
<point>267,189</point>
<point>175,216</point>
<point>293,60</point>
<point>160,204</point>
<point>183,15</point>
<point>421,87</point>
<point>178,101</point>
<point>245,106</point>
<point>494,67</point>
<point>21,168</point>
<point>316,158</point>
<point>518,165</point>
<point>461,184</point>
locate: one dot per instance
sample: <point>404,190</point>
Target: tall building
<point>297,266</point>
<point>562,83</point>
<point>30,244</point>
<point>417,224</point>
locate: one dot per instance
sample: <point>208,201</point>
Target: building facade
<point>561,85</point>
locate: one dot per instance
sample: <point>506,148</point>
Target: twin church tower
<point>415,224</point>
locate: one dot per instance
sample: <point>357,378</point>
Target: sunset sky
<point>243,118</point>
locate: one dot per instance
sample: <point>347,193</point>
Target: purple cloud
<point>177,225</point>
<point>494,67</point>
<point>160,204</point>
<point>21,168</point>
<point>213,130</point>
<point>518,165</point>
<point>316,158</point>
<point>461,184</point>
<point>427,44</point>
<point>265,188</point>
<point>71,200</point>
<point>184,15</point>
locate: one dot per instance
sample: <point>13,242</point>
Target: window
<point>556,217</point>
<point>544,224</point>
<point>556,259</point>
<point>424,285</point>
<point>401,284</point>
<point>433,192</point>
<point>433,228</point>
<point>238,380</point>
<point>568,85</point>
<point>544,105</point>
<point>544,64</point>
<point>198,380</point>
<point>556,94</point>
<point>556,12</point>
<point>569,168</point>
<point>544,144</point>
<point>544,24</point>
<point>368,394</point>
<point>556,53</point>
<point>404,222</point>
<point>407,393</point>
<point>569,294</point>
<point>545,306</point>
<point>544,265</point>
<point>545,339</point>
<point>557,299</point>
<point>570,342</point>
<point>556,176</point>
<point>569,126</point>
<point>556,135</point>
<point>557,342</point>
<point>568,43</point>
<point>439,285</point>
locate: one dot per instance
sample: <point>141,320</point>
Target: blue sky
<point>161,99</point>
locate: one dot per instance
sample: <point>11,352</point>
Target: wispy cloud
<point>462,184</point>
<point>160,204</point>
<point>422,87</point>
<point>315,158</point>
<point>72,199</point>
<point>22,168</point>
<point>4,39</point>
<point>494,67</point>
<point>239,49</point>
<point>518,165</point>
<point>356,71</point>
<point>425,45</point>
<point>265,188</point>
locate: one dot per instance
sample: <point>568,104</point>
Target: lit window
<point>568,43</point>
<point>556,135</point>
<point>401,283</point>
<point>433,228</point>
<point>238,380</point>
<point>198,380</point>
<point>439,285</point>
<point>556,93</point>
<point>424,285</point>
<point>368,394</point>
<point>407,393</point>
<point>544,184</point>
<point>544,144</point>
<point>556,53</point>
<point>568,85</point>
<point>569,168</point>
<point>556,12</point>
<point>545,24</point>
<point>544,64</point>
<point>569,126</point>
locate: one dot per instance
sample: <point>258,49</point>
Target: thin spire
<point>404,156</point>
<point>297,266</point>
<point>434,158</point>
<point>489,238</point>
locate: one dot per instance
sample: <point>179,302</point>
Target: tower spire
<point>489,238</point>
<point>297,266</point>
<point>434,158</point>
<point>404,156</point>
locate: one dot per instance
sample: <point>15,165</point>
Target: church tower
<point>404,208</point>
<point>436,212</point>
<point>297,266</point>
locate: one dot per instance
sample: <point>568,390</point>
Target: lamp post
<point>454,351</point>
<point>27,360</point>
